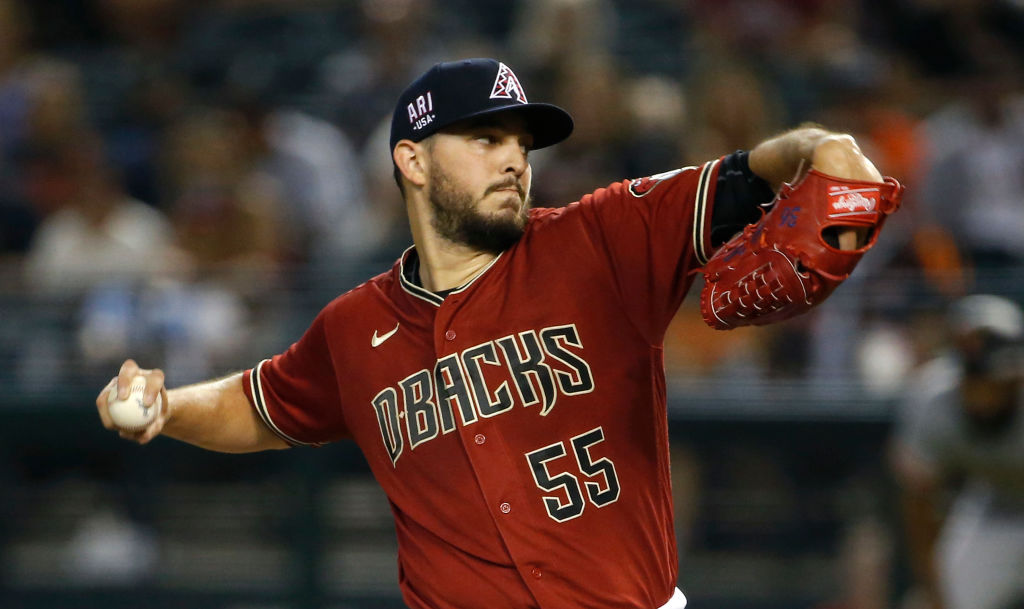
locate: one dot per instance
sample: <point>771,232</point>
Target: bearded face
<point>459,219</point>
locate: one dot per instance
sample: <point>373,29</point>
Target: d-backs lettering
<point>542,365</point>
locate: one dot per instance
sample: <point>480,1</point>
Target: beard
<point>457,219</point>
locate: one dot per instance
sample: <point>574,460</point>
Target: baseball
<point>130,414</point>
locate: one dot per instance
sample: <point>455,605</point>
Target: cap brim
<point>547,123</point>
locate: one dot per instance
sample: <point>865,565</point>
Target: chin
<point>510,203</point>
<point>507,215</point>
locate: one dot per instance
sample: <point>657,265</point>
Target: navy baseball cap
<point>453,91</point>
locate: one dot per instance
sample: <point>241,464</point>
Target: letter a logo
<point>506,86</point>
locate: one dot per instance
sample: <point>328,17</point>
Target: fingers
<point>153,429</point>
<point>154,385</point>
<point>129,370</point>
<point>121,385</point>
<point>144,436</point>
<point>852,238</point>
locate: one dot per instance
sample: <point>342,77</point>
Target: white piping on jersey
<point>700,207</point>
<point>425,294</point>
<point>256,385</point>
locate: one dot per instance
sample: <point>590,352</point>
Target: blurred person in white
<point>92,231</point>
<point>89,257</point>
<point>313,166</point>
<point>97,233</point>
<point>960,436</point>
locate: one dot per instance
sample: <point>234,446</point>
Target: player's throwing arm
<point>214,415</point>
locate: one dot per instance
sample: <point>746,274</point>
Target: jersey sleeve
<point>740,197</point>
<point>653,232</point>
<point>296,393</point>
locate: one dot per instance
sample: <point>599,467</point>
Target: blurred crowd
<point>167,167</point>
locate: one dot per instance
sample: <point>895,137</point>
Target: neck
<point>443,265</point>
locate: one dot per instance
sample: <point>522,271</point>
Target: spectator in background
<point>656,115</point>
<point>227,214</point>
<point>91,251</point>
<point>963,422</point>
<point>27,100</point>
<point>549,37</point>
<point>731,106</point>
<point>315,169</point>
<point>398,40</point>
<point>95,232</point>
<point>189,278</point>
<point>974,182</point>
<point>592,89</point>
<point>566,47</point>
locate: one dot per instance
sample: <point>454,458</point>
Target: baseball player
<point>504,378</point>
<point>961,427</point>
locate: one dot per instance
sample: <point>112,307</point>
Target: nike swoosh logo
<point>377,341</point>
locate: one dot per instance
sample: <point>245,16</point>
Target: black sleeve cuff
<point>739,193</point>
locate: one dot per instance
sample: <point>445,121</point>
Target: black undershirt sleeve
<point>739,193</point>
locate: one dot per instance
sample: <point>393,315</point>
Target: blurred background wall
<point>187,182</point>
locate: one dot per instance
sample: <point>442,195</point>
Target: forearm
<point>216,415</point>
<point>782,157</point>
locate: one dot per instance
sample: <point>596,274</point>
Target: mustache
<point>511,183</point>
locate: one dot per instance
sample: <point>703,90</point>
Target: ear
<point>409,158</point>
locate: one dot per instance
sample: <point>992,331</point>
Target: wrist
<point>782,157</point>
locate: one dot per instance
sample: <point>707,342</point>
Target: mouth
<point>515,188</point>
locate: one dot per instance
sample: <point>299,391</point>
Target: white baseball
<point>131,414</point>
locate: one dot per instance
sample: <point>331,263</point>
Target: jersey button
<point>450,334</point>
<point>480,438</point>
<point>505,508</point>
<point>536,573</point>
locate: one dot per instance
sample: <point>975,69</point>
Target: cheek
<point>528,180</point>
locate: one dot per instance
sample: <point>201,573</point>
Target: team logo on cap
<point>506,85</point>
<point>421,111</point>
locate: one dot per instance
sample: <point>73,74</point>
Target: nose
<point>514,158</point>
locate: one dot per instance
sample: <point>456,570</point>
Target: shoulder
<point>371,292</point>
<point>136,217</point>
<point>60,221</point>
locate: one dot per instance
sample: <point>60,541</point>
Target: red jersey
<point>518,425</point>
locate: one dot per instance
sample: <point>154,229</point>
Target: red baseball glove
<point>790,260</point>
